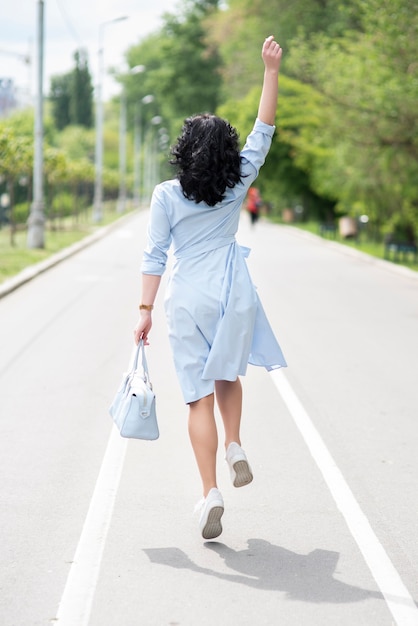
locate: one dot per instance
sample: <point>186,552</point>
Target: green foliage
<point>81,94</point>
<point>111,148</point>
<point>80,171</point>
<point>21,122</point>
<point>62,205</point>
<point>16,153</point>
<point>55,165</point>
<point>71,95</point>
<point>403,225</point>
<point>111,181</point>
<point>240,29</point>
<point>191,68</point>
<point>368,81</point>
<point>60,96</point>
<point>21,212</point>
<point>77,142</point>
<point>182,70</point>
<point>284,179</point>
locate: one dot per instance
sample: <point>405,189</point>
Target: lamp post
<point>138,147</point>
<point>98,161</point>
<point>36,221</point>
<point>137,156</point>
<point>121,204</point>
<point>163,140</point>
<point>151,160</point>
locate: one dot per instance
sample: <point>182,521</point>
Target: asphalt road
<point>99,531</point>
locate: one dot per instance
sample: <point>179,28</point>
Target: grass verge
<point>363,244</point>
<point>15,258</point>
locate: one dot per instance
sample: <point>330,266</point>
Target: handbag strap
<point>144,363</point>
<point>141,348</point>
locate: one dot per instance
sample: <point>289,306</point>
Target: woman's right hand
<point>271,54</point>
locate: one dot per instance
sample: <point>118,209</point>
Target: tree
<point>182,69</point>
<point>16,158</point>
<point>191,68</point>
<point>239,30</point>
<point>76,142</point>
<point>284,180</point>
<point>368,82</point>
<point>288,177</point>
<point>81,93</point>
<point>71,95</point>
<point>348,116</point>
<point>60,96</point>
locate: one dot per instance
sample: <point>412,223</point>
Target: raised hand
<point>271,54</point>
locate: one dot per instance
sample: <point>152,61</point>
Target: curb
<point>32,271</point>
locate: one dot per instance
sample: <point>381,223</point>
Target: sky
<point>68,25</point>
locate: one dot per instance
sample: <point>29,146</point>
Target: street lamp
<point>36,221</point>
<point>148,99</point>
<point>121,204</point>
<point>98,161</point>
<point>151,160</point>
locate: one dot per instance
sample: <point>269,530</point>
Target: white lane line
<point>76,602</point>
<point>397,597</point>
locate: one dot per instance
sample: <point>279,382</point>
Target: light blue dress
<point>216,322</point>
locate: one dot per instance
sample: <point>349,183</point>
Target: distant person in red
<point>253,204</point>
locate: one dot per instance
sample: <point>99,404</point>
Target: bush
<point>402,226</point>
<point>62,205</point>
<point>20,212</point>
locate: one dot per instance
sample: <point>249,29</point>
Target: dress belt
<point>205,246</point>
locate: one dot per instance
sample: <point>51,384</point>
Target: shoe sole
<point>243,474</point>
<point>213,526</point>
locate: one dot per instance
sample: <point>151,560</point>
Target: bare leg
<point>229,399</point>
<point>204,439</point>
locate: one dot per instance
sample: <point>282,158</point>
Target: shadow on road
<point>309,578</point>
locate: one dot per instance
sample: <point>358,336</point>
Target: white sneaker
<point>239,467</point>
<point>211,510</point>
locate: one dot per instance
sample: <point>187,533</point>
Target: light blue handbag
<point>133,407</point>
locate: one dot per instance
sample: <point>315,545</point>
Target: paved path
<point>326,533</point>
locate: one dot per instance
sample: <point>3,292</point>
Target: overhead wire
<point>69,24</point>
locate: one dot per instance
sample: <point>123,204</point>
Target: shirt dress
<point>216,322</point>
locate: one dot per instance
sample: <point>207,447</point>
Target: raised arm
<point>272,56</point>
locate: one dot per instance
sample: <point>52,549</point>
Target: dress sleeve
<point>255,151</point>
<point>154,258</point>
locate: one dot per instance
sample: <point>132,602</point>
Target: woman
<point>215,319</point>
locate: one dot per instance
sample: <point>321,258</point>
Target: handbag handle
<point>141,348</point>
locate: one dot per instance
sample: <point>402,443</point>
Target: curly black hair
<point>207,157</point>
